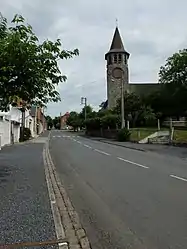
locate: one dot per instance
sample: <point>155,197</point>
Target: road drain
<point>60,243</point>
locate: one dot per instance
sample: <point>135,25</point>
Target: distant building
<point>40,123</point>
<point>63,120</point>
<point>117,59</point>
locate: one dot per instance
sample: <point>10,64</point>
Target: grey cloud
<point>151,31</point>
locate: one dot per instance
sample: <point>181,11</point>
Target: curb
<point>124,146</point>
<point>120,145</point>
<point>74,232</point>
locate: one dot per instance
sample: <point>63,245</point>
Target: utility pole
<point>22,121</point>
<point>84,102</point>
<point>122,104</point>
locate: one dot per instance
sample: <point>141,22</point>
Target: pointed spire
<point>117,44</point>
<point>117,41</point>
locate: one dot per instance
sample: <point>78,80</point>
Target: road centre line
<point>179,178</point>
<point>87,146</point>
<point>131,162</point>
<point>102,152</point>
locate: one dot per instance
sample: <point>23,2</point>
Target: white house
<point>5,128</point>
<point>10,123</point>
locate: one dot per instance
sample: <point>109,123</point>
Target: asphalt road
<point>125,198</point>
<point>25,212</point>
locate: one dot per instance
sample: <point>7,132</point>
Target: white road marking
<point>137,164</point>
<point>179,178</point>
<point>79,142</point>
<point>102,152</point>
<point>87,146</point>
<point>74,140</point>
<point>63,244</point>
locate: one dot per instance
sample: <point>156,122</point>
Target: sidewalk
<point>158,148</point>
<point>24,207</point>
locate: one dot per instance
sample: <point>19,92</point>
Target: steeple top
<point>117,45</point>
<point>117,41</point>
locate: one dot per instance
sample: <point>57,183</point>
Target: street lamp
<point>118,73</point>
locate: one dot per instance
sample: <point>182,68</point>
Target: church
<point>118,73</point>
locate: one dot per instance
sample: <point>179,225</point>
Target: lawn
<point>180,136</point>
<point>140,133</point>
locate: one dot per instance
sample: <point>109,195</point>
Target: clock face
<point>117,73</point>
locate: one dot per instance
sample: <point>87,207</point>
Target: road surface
<point>125,198</point>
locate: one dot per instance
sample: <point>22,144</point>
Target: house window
<point>115,58</point>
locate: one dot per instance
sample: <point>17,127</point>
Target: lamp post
<point>118,73</point>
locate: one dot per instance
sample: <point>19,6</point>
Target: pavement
<point>125,198</point>
<point>175,150</point>
<point>24,207</point>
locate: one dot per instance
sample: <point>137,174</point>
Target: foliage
<point>93,123</point>
<point>49,121</point>
<point>88,111</point>
<point>29,69</point>
<point>173,77</point>
<point>111,121</point>
<point>136,110</point>
<point>26,134</point>
<point>123,135</point>
<point>74,120</point>
<point>56,123</point>
<point>102,113</point>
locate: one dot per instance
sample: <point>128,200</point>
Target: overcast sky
<point>151,31</point>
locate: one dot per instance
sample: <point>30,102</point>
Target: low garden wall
<point>105,133</point>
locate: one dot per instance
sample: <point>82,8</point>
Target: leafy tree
<point>74,120</point>
<point>56,123</point>
<point>173,76</point>
<point>28,69</point>
<point>49,122</point>
<point>89,112</point>
<point>137,109</point>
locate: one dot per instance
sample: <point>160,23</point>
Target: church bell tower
<point>117,69</point>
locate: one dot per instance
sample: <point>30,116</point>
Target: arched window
<point>109,60</point>
<point>125,59</point>
<point>119,58</point>
<point>115,58</point>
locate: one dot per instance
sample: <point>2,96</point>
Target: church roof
<point>143,88</point>
<point>117,44</point>
<point>117,41</point>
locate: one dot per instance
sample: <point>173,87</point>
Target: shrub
<point>110,121</point>
<point>123,135</point>
<point>93,124</point>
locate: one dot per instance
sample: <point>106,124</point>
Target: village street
<point>125,198</point>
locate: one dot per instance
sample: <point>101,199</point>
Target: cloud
<point>151,31</point>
